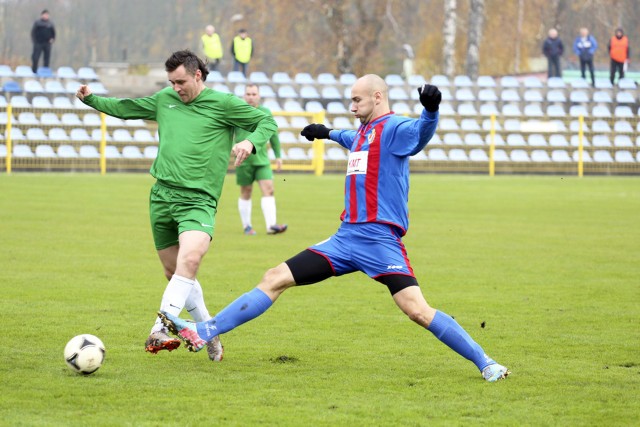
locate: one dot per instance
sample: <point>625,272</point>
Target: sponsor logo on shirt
<point>172,105</point>
<point>357,164</point>
<point>394,267</point>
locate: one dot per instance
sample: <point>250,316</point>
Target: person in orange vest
<point>619,53</point>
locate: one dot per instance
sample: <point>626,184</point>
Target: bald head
<point>369,98</point>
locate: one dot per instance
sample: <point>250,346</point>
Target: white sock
<point>195,304</point>
<point>269,210</point>
<point>174,297</point>
<point>244,206</point>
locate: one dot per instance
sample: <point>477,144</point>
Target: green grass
<point>550,265</point>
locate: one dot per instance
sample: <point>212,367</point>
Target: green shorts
<point>247,174</point>
<point>174,210</point>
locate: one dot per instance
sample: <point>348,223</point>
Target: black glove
<point>430,97</point>
<point>315,131</point>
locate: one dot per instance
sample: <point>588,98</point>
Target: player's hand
<point>278,165</point>
<point>242,150</point>
<point>430,97</point>
<point>315,131</point>
<point>82,92</point>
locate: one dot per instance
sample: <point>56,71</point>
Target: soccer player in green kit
<point>258,168</point>
<point>196,126</point>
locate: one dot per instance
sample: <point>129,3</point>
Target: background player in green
<point>195,125</point>
<point>258,168</point>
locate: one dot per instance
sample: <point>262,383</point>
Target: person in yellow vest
<point>619,53</point>
<point>242,50</point>
<point>211,47</point>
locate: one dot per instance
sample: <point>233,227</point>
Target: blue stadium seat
<point>49,119</point>
<point>519,156</point>
<point>347,79</point>
<point>533,110</point>
<point>236,77</point>
<point>281,78</point>
<point>313,107</point>
<point>266,91</point>
<point>574,126</point>
<point>601,111</point>
<point>556,95</point>
<point>469,125</point>
<point>579,96</point>
<point>447,124</point>
<point>44,73</point>
<point>499,155</point>
<point>601,141</point>
<point>11,87</point>
<point>151,152</point>
<point>486,125</point>
<point>335,107</point>
<point>22,150</point>
<point>71,119</point>
<point>498,140</point>
<point>516,139</point>
<point>600,126</point>
<point>465,95</point>
<point>3,101</point>
<point>131,152</point>
<point>330,92</point>
<point>556,111</point>
<point>578,110</point>
<point>488,110</point>
<point>111,152</point>
<point>58,134</point>
<point>603,83</point>
<point>98,88</point>
<point>437,154</point>
<point>96,135</point>
<point>122,135</point>
<point>398,94</point>
<point>511,110</point>
<point>79,134</point>
<point>575,141</point>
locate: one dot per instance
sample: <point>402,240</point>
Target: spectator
<point>242,50</point>
<point>43,34</point>
<point>619,53</point>
<point>211,47</point>
<point>553,50</point>
<point>585,46</point>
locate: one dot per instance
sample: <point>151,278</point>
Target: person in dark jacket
<point>553,49</point>
<point>43,34</point>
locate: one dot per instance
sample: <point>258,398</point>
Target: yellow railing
<point>317,163</point>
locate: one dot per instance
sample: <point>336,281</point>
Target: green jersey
<point>195,138</point>
<point>261,156</point>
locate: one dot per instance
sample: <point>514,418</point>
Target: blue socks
<point>247,307</point>
<point>447,330</point>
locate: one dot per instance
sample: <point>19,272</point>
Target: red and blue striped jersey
<point>377,182</point>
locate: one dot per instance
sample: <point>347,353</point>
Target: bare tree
<point>474,38</point>
<point>516,65</point>
<point>449,37</point>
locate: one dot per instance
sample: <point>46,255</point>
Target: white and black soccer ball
<point>84,354</point>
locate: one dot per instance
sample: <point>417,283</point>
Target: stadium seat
<point>326,79</point>
<point>398,94</point>
<point>236,77</point>
<point>330,92</point>
<point>96,135</point>
<point>401,108</point>
<point>601,141</point>
<point>499,155</point>
<point>622,141</point>
<point>221,87</point>
<point>50,119</point>
<point>215,77</point>
<point>239,90</point>
<point>5,71</point>
<point>458,155</point>
<point>533,110</point>
<point>512,125</point>
<point>623,111</point>
<point>313,107</point>
<point>624,156</point>
<point>511,110</point>
<point>486,125</point>
<point>556,111</point>
<point>91,119</point>
<point>287,137</point>
<point>625,98</point>
<point>556,95</point>
<point>150,152</point>
<point>473,139</point>
<point>452,139</point>
<point>36,134</point>
<point>575,141</point>
<point>469,125</point>
<point>448,124</point>
<point>580,83</point>
<point>347,79</point>
<point>335,107</point>
<point>509,82</point>
<point>11,87</point>
<point>560,156</point>
<point>446,109</point>
<point>66,151</point>
<point>600,126</point>
<point>281,78</point>
<point>309,92</point>
<point>111,152</point>
<point>3,149</point>
<point>602,97</point>
<point>20,101</point>
<point>45,150</point>
<point>622,126</point>
<point>462,81</point>
<point>287,92</point>
<point>555,83</point>
<point>71,87</point>
<point>98,88</point>
<point>24,71</point>
<point>54,87</point>
<point>601,111</point>
<point>488,110</point>
<point>272,105</point>
<point>336,153</point>
<point>467,109</point>
<point>41,102</point>
<point>259,77</point>
<point>435,140</point>
<point>497,140</point>
<point>437,154</point>
<point>58,134</point>
<point>297,153</point>
<point>71,119</point>
<point>266,91</point>
<point>394,80</point>
<point>293,106</point>
<point>533,95</point>
<point>121,135</point>
<point>519,155</point>
<point>22,150</point>
<point>415,81</point>
<point>62,102</point>
<point>342,123</point>
<point>602,156</point>
<point>603,83</point>
<point>89,152</point>
<point>627,83</point>
<point>478,155</point>
<point>299,122</point>
<point>487,95</point>
<point>420,155</point>
<point>486,81</point>
<point>113,121</point>
<point>464,95</point>
<point>3,101</point>
<point>281,122</point>
<point>440,80</point>
<point>540,156</point>
<point>532,82</point>
<point>516,139</point>
<point>578,110</point>
<point>66,73</point>
<point>131,152</point>
<point>579,97</point>
<point>87,73</point>
<point>303,79</point>
<point>79,134</point>
<point>536,140</point>
<point>27,118</point>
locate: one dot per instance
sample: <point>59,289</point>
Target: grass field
<point>549,265</point>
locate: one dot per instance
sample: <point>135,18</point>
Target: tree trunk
<point>449,38</point>
<point>516,65</point>
<point>476,21</point>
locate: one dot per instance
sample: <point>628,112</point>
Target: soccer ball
<point>84,354</point>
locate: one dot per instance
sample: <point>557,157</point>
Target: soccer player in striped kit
<point>373,222</point>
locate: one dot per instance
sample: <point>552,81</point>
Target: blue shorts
<point>375,249</point>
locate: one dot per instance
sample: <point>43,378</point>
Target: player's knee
<point>276,280</point>
<point>191,261</point>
